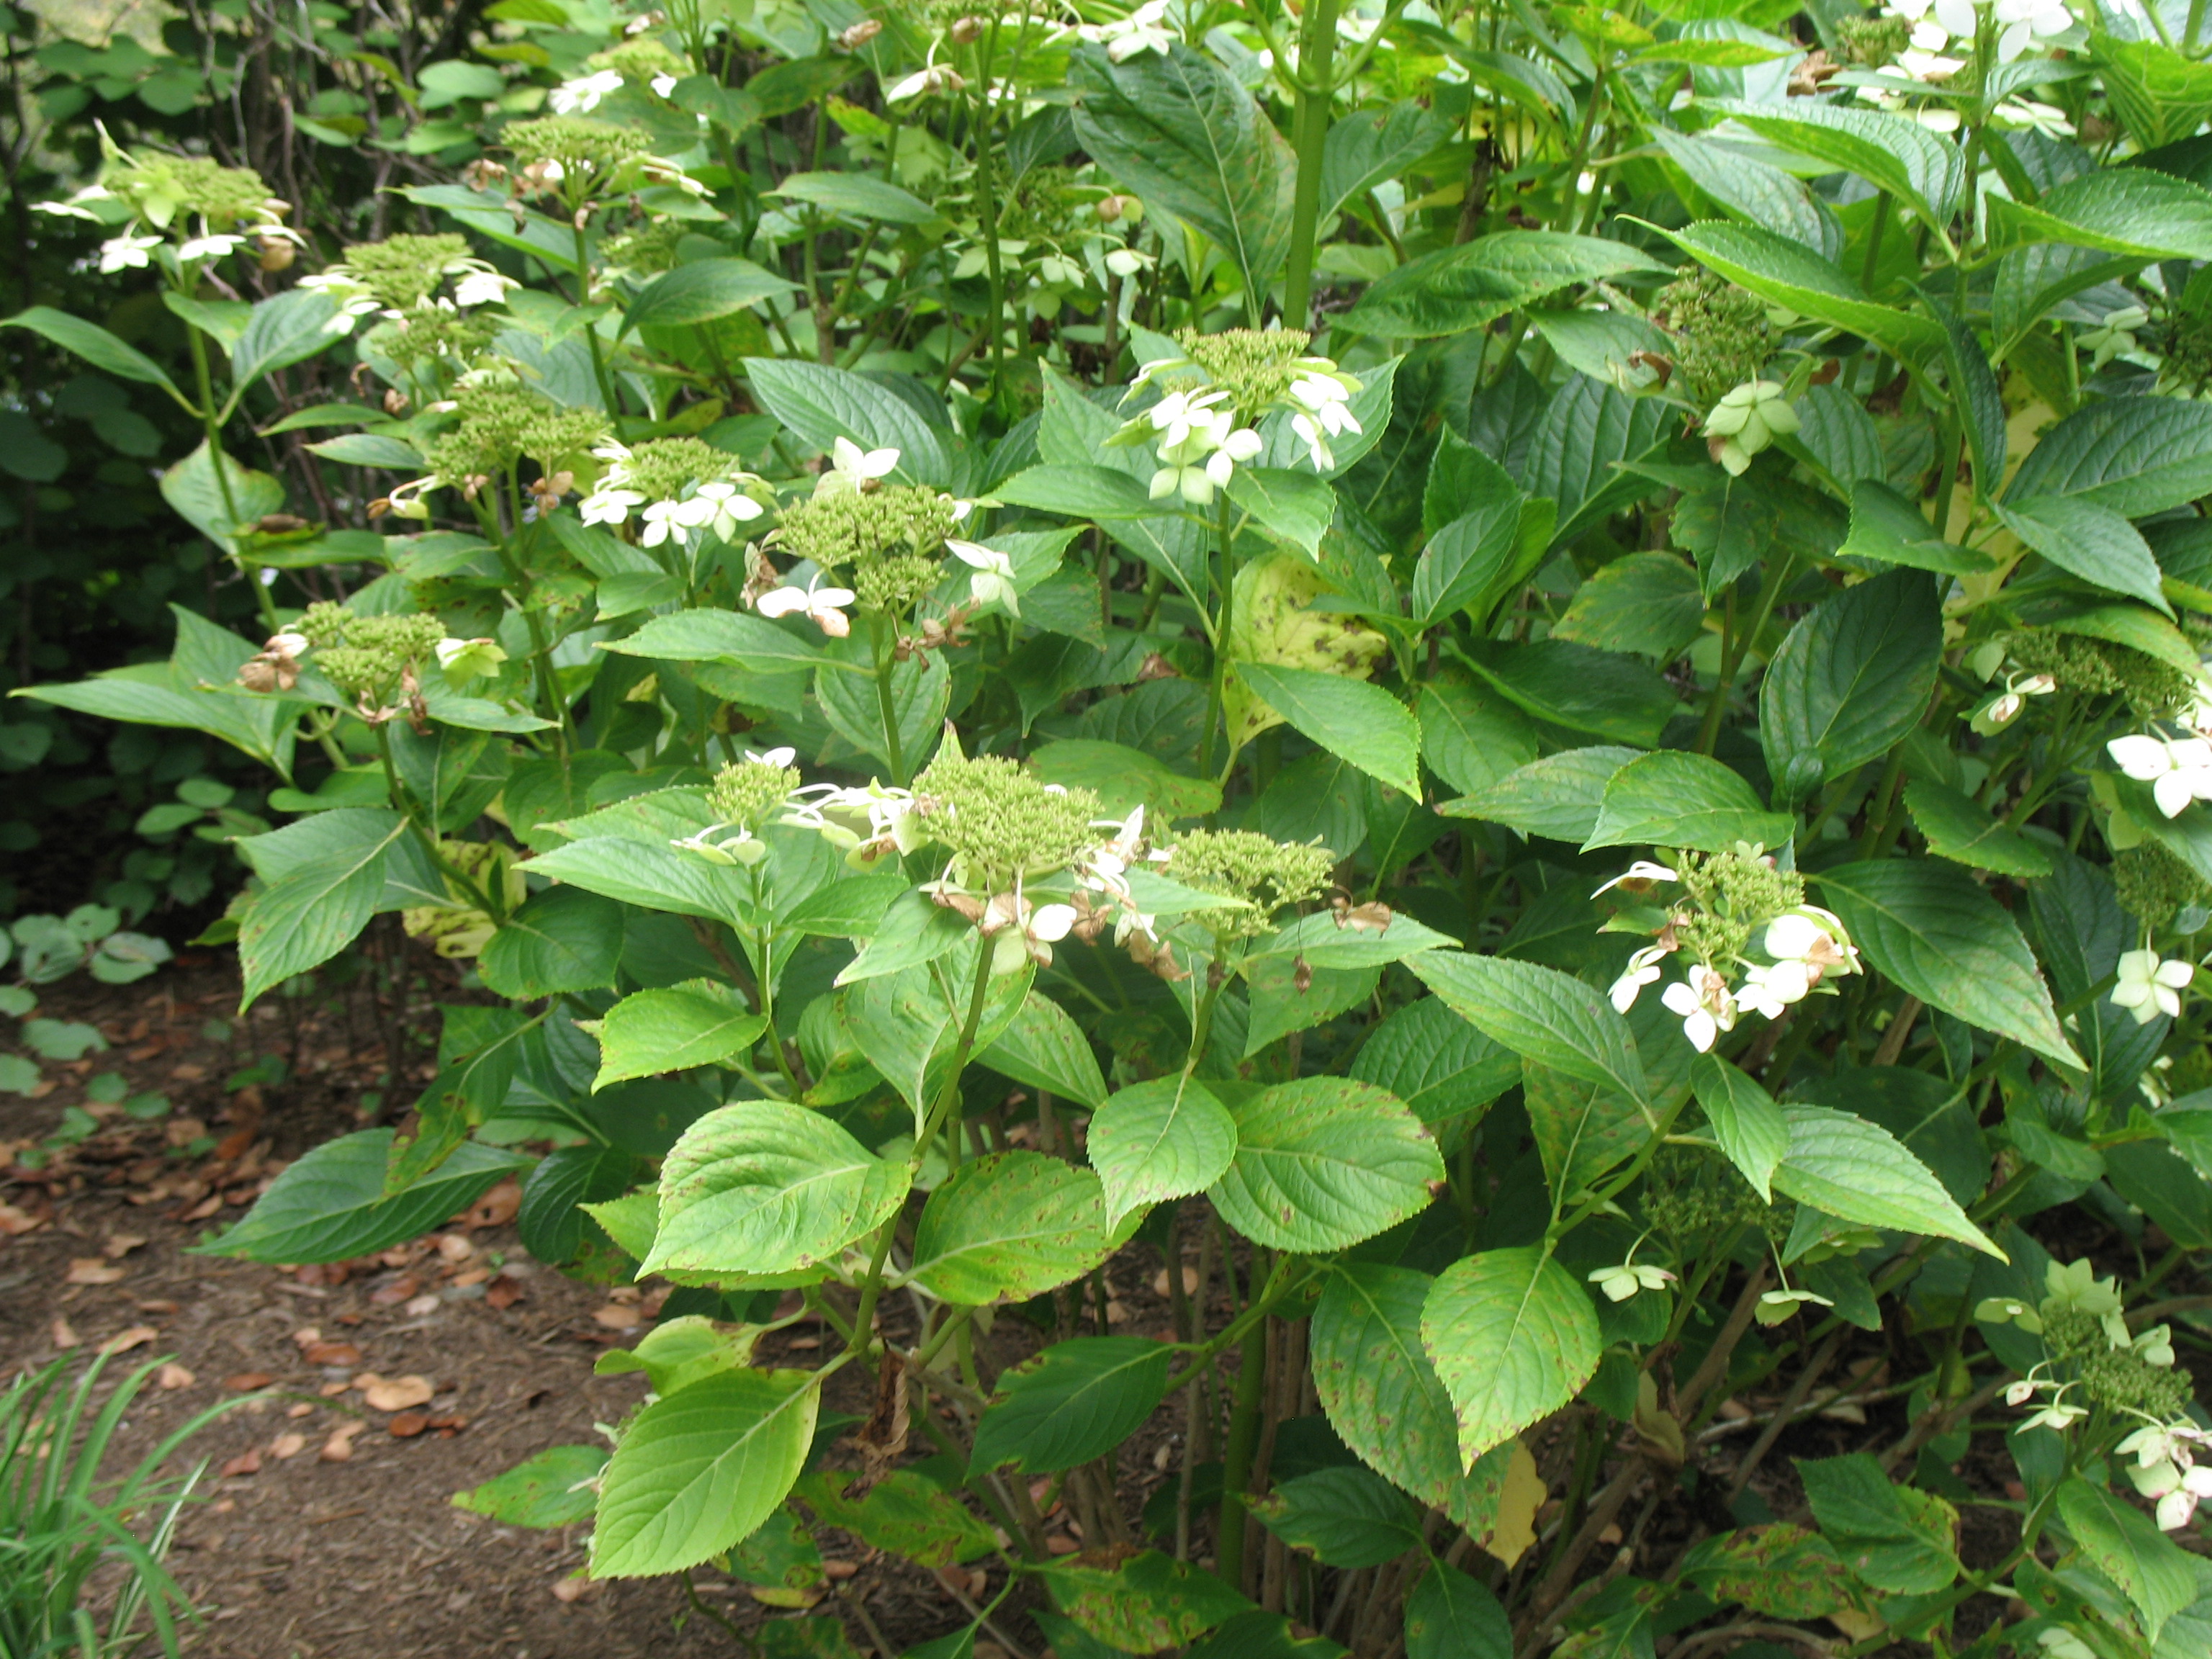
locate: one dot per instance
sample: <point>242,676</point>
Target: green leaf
<point>1513,1337</point>
<point>822,405</point>
<point>764,1187</point>
<point>1859,1172</point>
<point>1750,1127</point>
<point>308,914</point>
<point>699,1471</point>
<point>1011,1225</point>
<point>704,289</point>
<point>915,930</point>
<point>2129,211</point>
<point>550,1221</point>
<point>1894,153</point>
<point>1852,677</point>
<point>624,852</point>
<point>1182,132</point>
<point>96,346</point>
<point>332,1204</point>
<point>1976,400</point>
<point>285,329</point>
<point>1292,505</point>
<point>1750,189</point>
<point>1124,778</point>
<point>1558,797</point>
<point>1353,719</point>
<point>1539,1013</point>
<point>1960,828</point>
<point>1471,561</point>
<point>368,449</point>
<point>1042,1046</point>
<point>1476,283</point>
<point>191,488</point>
<point>709,635</point>
<point>1149,1602</point>
<point>1344,1517</point>
<point>1323,1162</point>
<point>1471,737</point>
<point>1790,274</point>
<point>560,941</point>
<point>1072,1402</point>
<point>1896,1539</point>
<point>1587,431</point>
<point>906,1514</point>
<point>1450,1615</point>
<point>1383,1396</point>
<point>1647,603</point>
<point>1103,493</point>
<point>1581,1129</point>
<point>2133,456</point>
<point>675,1029</point>
<point>1934,931</point>
<point>1440,1065</point>
<point>1677,800</point>
<point>2091,542</point>
<point>2154,1573</point>
<point>1887,527</point>
<point>1584,689</point>
<point>1368,146</point>
<point>860,195</point>
<point>1167,1138</point>
<point>1323,941</point>
<point>553,1489</point>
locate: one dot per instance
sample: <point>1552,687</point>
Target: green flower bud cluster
<point>431,334</point>
<point>748,794</point>
<point>1238,863</point>
<point>2098,668</point>
<point>401,272</point>
<point>1721,337</point>
<point>646,250</point>
<point>999,822</point>
<point>1046,206</point>
<point>639,58</point>
<point>158,187</point>
<point>841,528</point>
<point>501,424</point>
<point>662,470</point>
<point>376,650</point>
<point>585,150</point>
<point>323,623</point>
<point>1694,1200</point>
<point>1730,895</point>
<point>1871,42</point>
<point>2153,883</point>
<point>2121,1380</point>
<point>1254,367</point>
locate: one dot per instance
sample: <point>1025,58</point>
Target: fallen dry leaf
<point>615,1317</point>
<point>1189,1281</point>
<point>123,1341</point>
<point>455,1247</point>
<point>399,1290</point>
<point>339,1448</point>
<point>245,1463</point>
<point>247,1382</point>
<point>393,1393</point>
<point>202,1210</point>
<point>287,1445</point>
<point>407,1425</point>
<point>496,1207</point>
<point>65,1334</point>
<point>121,1244</point>
<point>503,1292</point>
<point>332,1353</point>
<point>91,1270</point>
<point>835,1569</point>
<point>173,1375</point>
<point>13,1221</point>
<point>573,1589</point>
<point>157,1306</point>
<point>422,1307</point>
<point>333,1390</point>
<point>302,1409</point>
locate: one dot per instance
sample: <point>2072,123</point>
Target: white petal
<point>2142,759</point>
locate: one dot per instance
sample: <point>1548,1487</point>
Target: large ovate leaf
<point>1010,1225</point>
<point>2133,456</point>
<point>2089,541</point>
<point>1072,1402</point>
<point>1474,284</point>
<point>674,1028</point>
<point>1578,687</point>
<point>1323,1162</point>
<point>1042,1045</point>
<point>1540,1014</point>
<point>1750,1127</point>
<point>699,1471</point>
<point>1168,1138</point>
<point>1852,677</point>
<point>564,940</point>
<point>332,1204</point>
<point>1675,799</point>
<point>1513,1336</point>
<point>1790,274</point>
<point>1358,721</point>
<point>1859,1172</point>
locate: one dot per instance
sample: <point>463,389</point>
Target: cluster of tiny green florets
<point>2097,668</point>
<point>1693,1202</point>
<point>1254,367</point>
<point>1720,335</point>
<point>323,623</point>
<point>1046,206</point>
<point>580,147</point>
<point>1729,895</point>
<point>646,250</point>
<point>401,272</point>
<point>639,58</point>
<point>1870,42</point>
<point>748,793</point>
<point>501,424</point>
<point>2153,883</point>
<point>376,650</point>
<point>2121,1380</point>
<point>429,332</point>
<point>160,186</point>
<point>999,822</point>
<point>846,526</point>
<point>1239,864</point>
<point>2181,334</point>
<point>662,470</point>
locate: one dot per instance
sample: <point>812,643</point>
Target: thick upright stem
<point>887,705</point>
<point>1236,1454</point>
<point>1309,128</point>
<point>1225,619</point>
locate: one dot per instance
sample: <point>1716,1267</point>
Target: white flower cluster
<point>1199,443</point>
<point>2147,987</point>
<point>480,284</point>
<point>2019,23</point>
<point>2178,769</point>
<point>2165,1465</point>
<point>581,95</point>
<point>1143,30</point>
<point>1806,945</point>
<point>720,504</point>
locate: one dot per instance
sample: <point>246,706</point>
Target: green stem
<point>591,330</point>
<point>1236,1454</point>
<point>1226,618</point>
<point>1309,124</point>
<point>1770,590</point>
<point>882,632</point>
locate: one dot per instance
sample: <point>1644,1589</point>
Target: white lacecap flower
<point>2147,986</point>
<point>662,85</point>
<point>825,606</point>
<point>209,246</point>
<point>852,467</point>
<point>1642,968</point>
<point>582,95</point>
<point>2178,769</point>
<point>1621,1282</point>
<point>482,287</point>
<point>663,520</point>
<point>993,580</point>
<point>605,506</point>
<point>126,253</point>
<point>1641,870</point>
<point>2023,23</point>
<point>1704,1004</point>
<point>1142,31</point>
<point>1771,990</point>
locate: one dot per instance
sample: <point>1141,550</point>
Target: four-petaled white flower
<point>665,521</point>
<point>1326,414</point>
<point>1180,415</point>
<point>1704,1004</point>
<point>1815,937</point>
<point>482,287</point>
<point>852,467</point>
<point>1642,968</point>
<point>211,247</point>
<point>993,580</point>
<point>2148,987</point>
<point>2178,769</point>
<point>1642,870</point>
<point>607,506</point>
<point>723,506</point>
<point>1769,990</point>
<point>1142,30</point>
<point>2024,22</point>
<point>823,606</point>
<point>663,85</point>
<point>125,252</point>
<point>582,95</point>
<point>1621,1282</point>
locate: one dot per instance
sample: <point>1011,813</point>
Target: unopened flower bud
<point>966,30</point>
<point>860,33</point>
<point>276,254</point>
